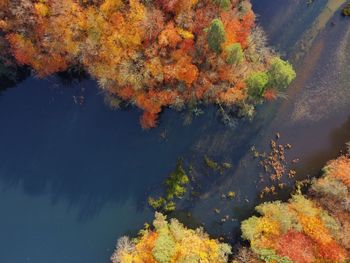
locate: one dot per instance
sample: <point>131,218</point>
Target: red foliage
<point>168,5</point>
<point>247,23</point>
<point>270,94</point>
<point>297,246</point>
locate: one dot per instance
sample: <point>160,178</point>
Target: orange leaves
<point>169,36</point>
<point>339,169</point>
<point>247,22</point>
<point>3,25</point>
<point>126,93</point>
<point>232,26</point>
<point>23,49</point>
<point>26,54</point>
<point>148,120</point>
<point>186,72</point>
<point>231,96</point>
<point>136,48</point>
<point>237,30</point>
<point>332,252</point>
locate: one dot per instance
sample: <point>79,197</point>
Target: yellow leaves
<point>41,9</point>
<point>110,6</point>
<point>137,11</point>
<point>193,246</point>
<point>184,33</point>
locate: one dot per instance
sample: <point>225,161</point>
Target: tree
<point>164,247</point>
<point>281,74</point>
<point>225,4</point>
<point>216,35</point>
<point>257,83</point>
<point>234,53</point>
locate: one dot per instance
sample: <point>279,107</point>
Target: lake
<point>74,178</point>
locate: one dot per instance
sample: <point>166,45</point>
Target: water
<point>75,178</point>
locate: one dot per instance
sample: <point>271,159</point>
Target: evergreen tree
<point>216,35</point>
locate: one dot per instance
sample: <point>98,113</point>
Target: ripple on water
<point>327,92</point>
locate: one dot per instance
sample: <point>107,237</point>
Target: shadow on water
<point>317,135</point>
<point>86,154</point>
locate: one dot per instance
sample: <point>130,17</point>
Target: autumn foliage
<point>305,230</point>
<point>153,54</point>
<point>170,242</point>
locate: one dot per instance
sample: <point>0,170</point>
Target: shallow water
<point>75,178</point>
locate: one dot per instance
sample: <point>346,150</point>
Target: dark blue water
<point>74,178</point>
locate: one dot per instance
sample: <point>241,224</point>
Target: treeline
<point>152,54</point>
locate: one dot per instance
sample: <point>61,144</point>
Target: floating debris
<point>226,165</point>
<point>295,161</point>
<point>231,195</point>
<point>274,165</point>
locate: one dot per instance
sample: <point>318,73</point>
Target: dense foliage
<point>315,229</point>
<point>152,54</point>
<point>169,242</point>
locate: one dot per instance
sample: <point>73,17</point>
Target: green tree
<point>164,247</point>
<point>257,83</point>
<point>216,35</point>
<point>176,182</point>
<point>225,4</point>
<point>281,74</point>
<point>234,53</point>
